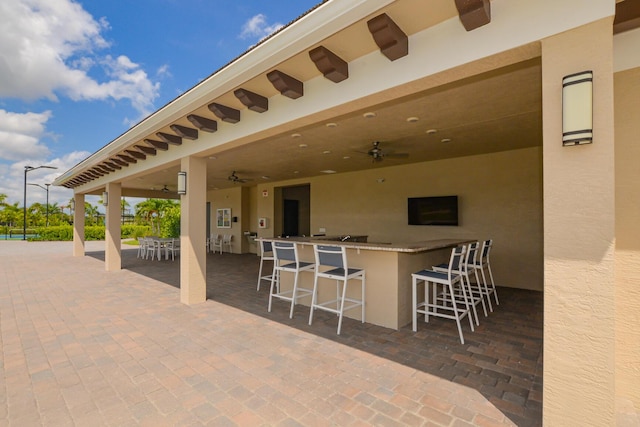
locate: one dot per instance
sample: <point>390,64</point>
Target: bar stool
<point>331,263</point>
<point>444,303</point>
<point>286,260</point>
<point>482,261</point>
<point>476,295</point>
<point>266,254</point>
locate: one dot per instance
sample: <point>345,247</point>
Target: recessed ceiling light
<point>445,140</point>
<point>328,171</point>
<point>346,157</point>
<point>326,152</point>
<point>212,157</point>
<point>369,115</point>
<point>412,119</point>
<point>264,177</point>
<point>303,145</point>
<point>431,131</point>
<point>332,125</point>
<point>296,172</point>
<point>295,135</point>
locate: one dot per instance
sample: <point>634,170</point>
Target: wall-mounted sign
<point>265,193</point>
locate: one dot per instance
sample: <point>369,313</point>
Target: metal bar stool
<point>482,262</point>
<point>286,260</point>
<point>444,303</point>
<point>331,263</point>
<point>474,289</point>
<point>266,254</point>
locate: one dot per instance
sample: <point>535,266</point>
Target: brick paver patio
<point>81,346</point>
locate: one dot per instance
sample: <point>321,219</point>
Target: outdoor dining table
<point>159,243</point>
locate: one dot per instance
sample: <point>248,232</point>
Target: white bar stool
<point>266,254</point>
<point>444,303</point>
<point>286,260</point>
<point>331,263</point>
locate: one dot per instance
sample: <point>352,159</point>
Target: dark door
<point>291,218</point>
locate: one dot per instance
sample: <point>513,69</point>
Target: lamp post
<point>28,169</point>
<point>47,206</point>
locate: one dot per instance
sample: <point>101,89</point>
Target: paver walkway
<point>82,346</point>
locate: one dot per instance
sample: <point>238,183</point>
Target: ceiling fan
<point>236,179</point>
<point>377,155</point>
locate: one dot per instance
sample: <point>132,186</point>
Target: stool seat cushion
<point>435,275</point>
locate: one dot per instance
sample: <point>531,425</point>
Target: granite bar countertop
<point>406,247</point>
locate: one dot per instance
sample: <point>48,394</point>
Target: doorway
<point>294,206</point>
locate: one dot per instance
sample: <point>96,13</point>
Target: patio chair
<point>226,242</point>
<point>142,248</point>
<point>266,254</point>
<point>215,243</point>
<point>286,260</point>
<point>443,301</point>
<point>172,248</point>
<point>331,263</point>
<point>475,291</point>
<point>482,262</point>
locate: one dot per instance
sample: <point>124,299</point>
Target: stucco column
<point>78,225</point>
<point>193,240</point>
<point>112,253</point>
<point>578,185</point>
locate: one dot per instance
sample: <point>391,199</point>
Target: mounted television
<point>442,210</point>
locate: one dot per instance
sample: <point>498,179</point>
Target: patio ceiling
<point>493,111</point>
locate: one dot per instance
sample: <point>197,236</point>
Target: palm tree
<point>151,212</point>
<point>91,214</point>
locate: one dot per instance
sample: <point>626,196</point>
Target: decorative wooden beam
<point>127,159</point>
<point>98,172</point>
<point>203,123</point>
<point>627,16</point>
<point>169,139</point>
<point>252,100</point>
<point>105,168</point>
<point>329,64</point>
<point>185,132</point>
<point>136,154</point>
<point>146,150</point>
<point>391,40</point>
<point>474,13</point>
<point>287,85</point>
<point>119,161</point>
<point>113,165</point>
<point>224,113</point>
<point>159,145</point>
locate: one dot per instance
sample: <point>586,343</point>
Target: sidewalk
<point>82,346</point>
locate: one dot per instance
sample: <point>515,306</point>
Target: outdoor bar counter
<point>388,269</point>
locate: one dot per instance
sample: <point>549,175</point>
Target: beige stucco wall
<point>500,197</point>
<point>230,198</point>
<point>579,322</point>
<point>627,277</point>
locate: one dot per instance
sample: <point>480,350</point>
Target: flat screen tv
<point>441,210</point>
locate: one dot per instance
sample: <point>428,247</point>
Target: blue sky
<point>74,75</point>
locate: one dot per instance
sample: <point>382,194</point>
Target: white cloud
<point>49,47</point>
<point>257,27</point>
<point>20,135</point>
<point>13,184</point>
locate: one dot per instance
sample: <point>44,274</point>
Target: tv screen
<point>442,210</point>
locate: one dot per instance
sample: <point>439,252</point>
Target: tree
<point>152,211</point>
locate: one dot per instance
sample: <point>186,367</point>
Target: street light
<point>47,190</point>
<point>28,169</point>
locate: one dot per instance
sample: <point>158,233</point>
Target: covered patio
<point>501,360</point>
<point>366,104</point>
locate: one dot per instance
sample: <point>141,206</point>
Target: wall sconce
<point>182,182</point>
<point>577,108</point>
<point>105,198</point>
